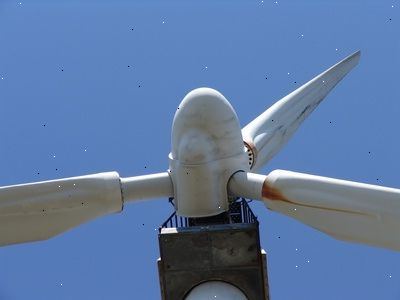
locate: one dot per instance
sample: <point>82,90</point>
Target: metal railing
<point>239,212</point>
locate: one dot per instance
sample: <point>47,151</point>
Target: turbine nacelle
<point>207,149</point>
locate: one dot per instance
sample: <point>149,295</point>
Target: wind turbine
<point>213,162</point>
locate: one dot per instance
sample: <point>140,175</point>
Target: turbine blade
<point>40,210</point>
<point>346,210</point>
<point>270,131</point>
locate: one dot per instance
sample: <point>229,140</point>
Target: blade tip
<point>355,57</point>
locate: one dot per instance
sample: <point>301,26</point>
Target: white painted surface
<point>147,187</point>
<point>40,210</point>
<point>270,131</point>
<point>212,290</point>
<point>246,185</point>
<point>346,210</point>
<point>207,148</point>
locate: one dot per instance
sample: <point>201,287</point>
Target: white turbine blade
<point>346,210</point>
<point>38,211</point>
<point>270,131</point>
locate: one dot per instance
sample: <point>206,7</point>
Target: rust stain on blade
<point>271,193</point>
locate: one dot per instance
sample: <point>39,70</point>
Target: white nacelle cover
<point>207,148</point>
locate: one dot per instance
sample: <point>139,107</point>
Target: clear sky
<point>92,86</point>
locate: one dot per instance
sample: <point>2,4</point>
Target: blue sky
<point>92,86</point>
